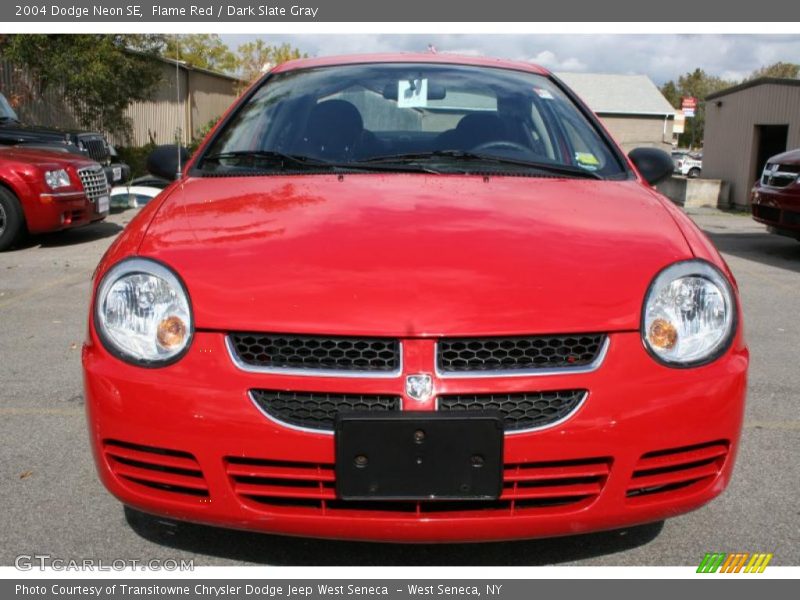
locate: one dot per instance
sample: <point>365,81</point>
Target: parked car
<point>132,196</point>
<point>688,164</point>
<point>414,298</point>
<point>151,181</point>
<point>43,191</point>
<point>775,199</point>
<point>89,144</point>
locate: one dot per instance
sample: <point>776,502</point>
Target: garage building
<point>745,125</point>
<point>171,112</point>
<point>631,107</point>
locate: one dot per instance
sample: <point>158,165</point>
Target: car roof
<point>410,57</point>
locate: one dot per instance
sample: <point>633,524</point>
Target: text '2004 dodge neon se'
<point>414,298</point>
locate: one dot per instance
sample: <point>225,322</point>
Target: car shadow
<point>763,247</point>
<point>70,237</point>
<point>288,551</point>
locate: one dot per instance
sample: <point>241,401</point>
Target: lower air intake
<point>318,410</point>
<point>156,470</point>
<point>676,471</point>
<point>520,412</point>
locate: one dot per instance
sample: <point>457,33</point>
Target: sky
<point>661,57</point>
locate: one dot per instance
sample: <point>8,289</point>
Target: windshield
<point>441,118</point>
<point>6,112</point>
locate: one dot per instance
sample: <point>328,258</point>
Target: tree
<point>697,84</point>
<point>98,75</point>
<point>255,56</point>
<point>203,50</point>
<point>671,93</point>
<point>782,70</point>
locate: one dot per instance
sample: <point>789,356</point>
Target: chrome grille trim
<point>780,176</point>
<point>95,148</point>
<point>94,182</point>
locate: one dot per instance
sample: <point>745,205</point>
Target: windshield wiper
<point>266,155</point>
<point>475,156</point>
<point>281,159</point>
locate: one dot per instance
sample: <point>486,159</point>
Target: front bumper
<point>186,442</point>
<point>778,208</point>
<point>57,211</point>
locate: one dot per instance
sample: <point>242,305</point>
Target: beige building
<point>183,103</point>
<point>631,107</point>
<point>745,125</point>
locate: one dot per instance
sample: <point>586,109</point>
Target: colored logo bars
<point>734,563</point>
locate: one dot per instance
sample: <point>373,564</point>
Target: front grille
<point>308,353</point>
<point>312,410</point>
<point>780,176</point>
<point>156,471</point>
<point>675,471</point>
<point>464,355</point>
<point>522,411</point>
<point>96,149</point>
<point>94,182</point>
<point>768,213</point>
<point>274,485</point>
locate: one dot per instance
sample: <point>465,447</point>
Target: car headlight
<point>689,314</point>
<point>143,314</point>
<point>57,179</point>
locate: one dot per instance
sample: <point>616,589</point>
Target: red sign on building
<point>688,106</point>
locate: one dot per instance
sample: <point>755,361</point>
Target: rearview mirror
<point>435,91</point>
<point>655,165</point>
<point>167,160</point>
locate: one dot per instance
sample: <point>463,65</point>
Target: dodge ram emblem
<point>419,387</point>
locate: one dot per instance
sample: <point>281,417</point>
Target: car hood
<point>792,157</point>
<point>41,132</point>
<point>414,255</point>
<point>43,157</point>
<point>24,133</point>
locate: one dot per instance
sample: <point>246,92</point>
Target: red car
<point>414,298</point>
<point>775,199</point>
<point>42,190</point>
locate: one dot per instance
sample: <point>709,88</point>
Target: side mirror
<point>654,164</point>
<point>163,161</point>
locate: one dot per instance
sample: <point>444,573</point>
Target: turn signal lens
<point>171,332</point>
<point>662,334</point>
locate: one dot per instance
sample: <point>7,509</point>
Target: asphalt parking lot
<point>53,503</point>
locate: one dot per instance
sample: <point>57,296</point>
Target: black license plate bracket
<point>419,456</point>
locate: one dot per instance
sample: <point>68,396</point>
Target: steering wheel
<point>501,145</point>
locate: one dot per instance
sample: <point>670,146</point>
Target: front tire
<point>12,220</point>
<point>694,173</point>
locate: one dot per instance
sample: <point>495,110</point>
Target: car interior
<point>356,115</point>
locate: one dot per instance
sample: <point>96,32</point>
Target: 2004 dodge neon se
<point>414,298</point>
